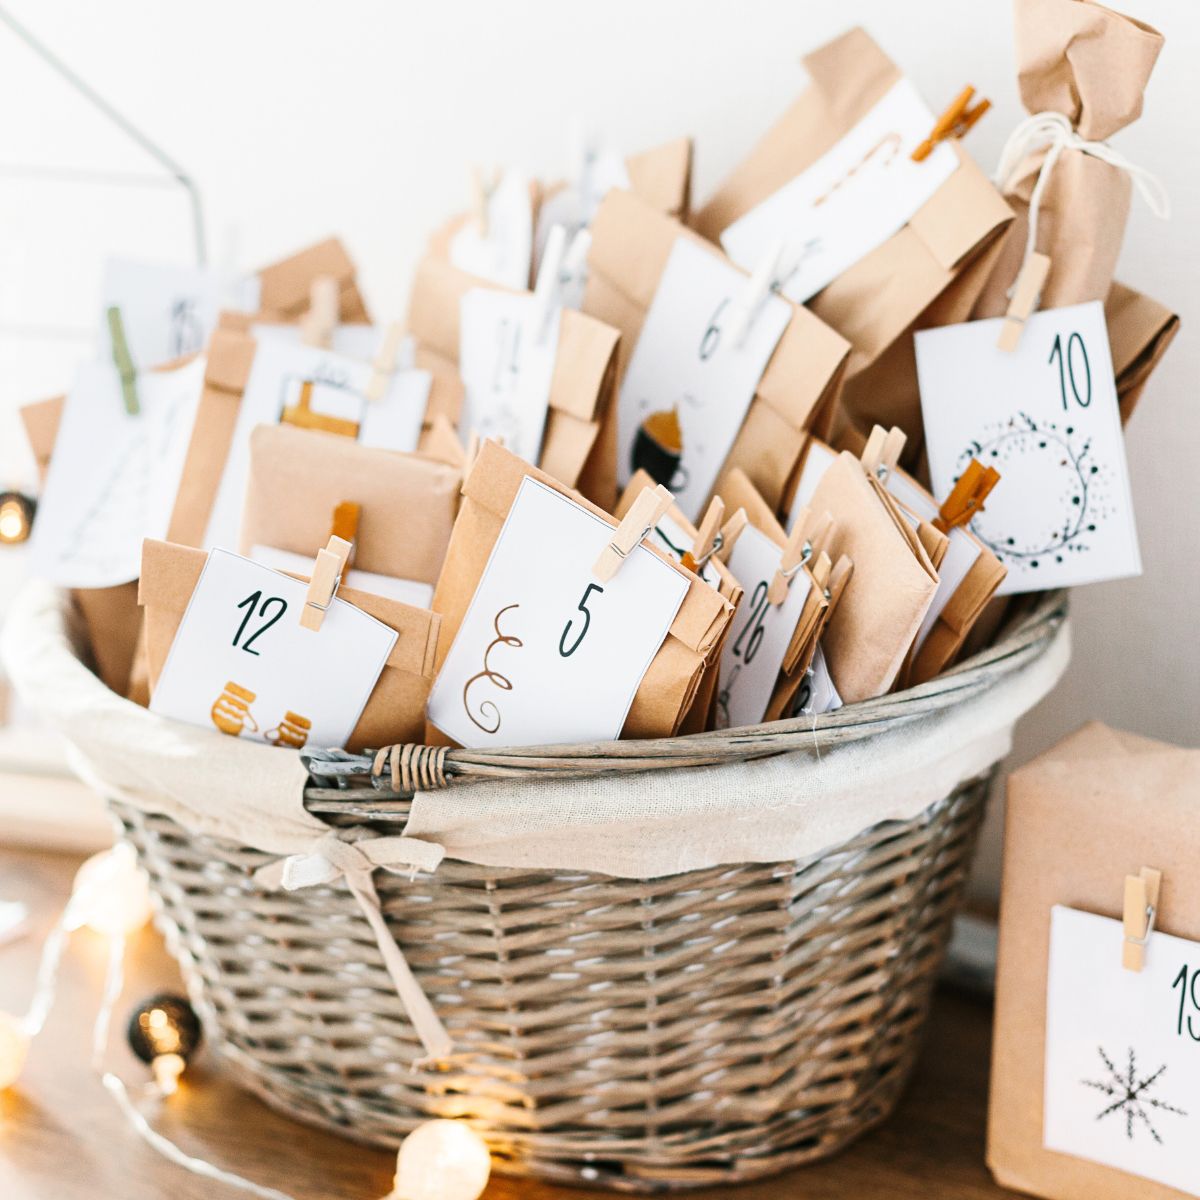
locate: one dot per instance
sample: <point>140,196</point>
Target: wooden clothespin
<point>645,512</point>
<point>323,585</point>
<point>1026,296</point>
<point>324,303</point>
<point>955,122</point>
<point>966,500</point>
<point>123,361</point>
<point>707,536</point>
<point>730,532</point>
<point>345,525</point>
<point>483,184</point>
<point>1141,912</point>
<point>882,451</point>
<point>839,577</point>
<point>385,362</point>
<point>796,553</point>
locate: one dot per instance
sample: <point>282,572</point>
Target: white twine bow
<point>332,858</point>
<point>1055,131</point>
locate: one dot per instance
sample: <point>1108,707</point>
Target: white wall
<point>361,117</point>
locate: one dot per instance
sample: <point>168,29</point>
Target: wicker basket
<point>695,1029</point>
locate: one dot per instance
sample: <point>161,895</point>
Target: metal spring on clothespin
<point>645,512</point>
<point>882,451</point>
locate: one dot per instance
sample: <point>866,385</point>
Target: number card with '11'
<point>547,654</point>
<point>1046,417</point>
<point>242,664</point>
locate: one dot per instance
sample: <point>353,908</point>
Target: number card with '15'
<point>546,654</point>
<point>241,662</point>
<point>1046,417</point>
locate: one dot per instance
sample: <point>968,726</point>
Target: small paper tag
<point>1122,1079</point>
<point>407,591</point>
<point>507,366</point>
<point>505,253</point>
<point>242,663</point>
<point>852,199</point>
<point>1046,417</point>
<point>758,640</point>
<point>689,385</point>
<point>113,475</point>
<point>546,654</point>
<point>316,389</point>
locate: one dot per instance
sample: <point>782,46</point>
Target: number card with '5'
<point>242,664</point>
<point>1046,417</point>
<point>545,653</point>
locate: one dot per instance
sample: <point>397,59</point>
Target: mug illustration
<point>658,449</point>
<point>231,711</point>
<point>292,731</point>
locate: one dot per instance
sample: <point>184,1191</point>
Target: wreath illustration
<point>1051,463</point>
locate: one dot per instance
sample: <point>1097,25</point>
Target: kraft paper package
<point>582,386</point>
<point>286,285</point>
<point>702,712</point>
<point>795,396</point>
<point>881,298</point>
<point>395,711</point>
<point>671,682</point>
<point>408,502</point>
<point>1099,806</point>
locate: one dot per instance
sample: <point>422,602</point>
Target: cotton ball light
<point>111,893</point>
<point>14,1047</point>
<point>442,1160</point>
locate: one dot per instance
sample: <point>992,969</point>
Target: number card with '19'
<point>546,653</point>
<point>242,664</point>
<point>1046,417</point>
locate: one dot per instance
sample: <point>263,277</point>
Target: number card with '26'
<point>546,653</point>
<point>1046,417</point>
<point>242,664</point>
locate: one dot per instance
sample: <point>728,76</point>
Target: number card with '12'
<point>1122,1081</point>
<point>1046,417</point>
<point>546,654</point>
<point>241,662</point>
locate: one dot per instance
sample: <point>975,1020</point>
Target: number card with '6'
<point>754,650</point>
<point>545,653</point>
<point>241,662</point>
<point>1046,417</point>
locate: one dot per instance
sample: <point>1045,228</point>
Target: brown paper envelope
<point>1098,807</point>
<point>662,176</point>
<point>670,683</point>
<point>581,388</point>
<point>286,285</point>
<point>395,711</point>
<point>893,583</point>
<point>630,247</point>
<point>297,478</point>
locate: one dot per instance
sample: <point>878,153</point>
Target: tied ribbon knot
<point>332,859</point>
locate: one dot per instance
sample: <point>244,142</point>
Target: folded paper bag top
<point>286,286</point>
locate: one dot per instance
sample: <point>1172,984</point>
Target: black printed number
<point>1188,983</point>
<point>1073,366</point>
<point>712,335</point>
<point>250,604</point>
<point>748,641</point>
<point>587,622</point>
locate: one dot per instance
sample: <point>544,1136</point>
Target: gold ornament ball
<point>14,1047</point>
<point>111,893</point>
<point>442,1160</point>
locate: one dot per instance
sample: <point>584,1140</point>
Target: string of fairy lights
<point>439,1160</point>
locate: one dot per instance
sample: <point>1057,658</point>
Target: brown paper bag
<point>673,677</point>
<point>1139,332</point>
<point>1099,806</point>
<point>287,285</point>
<point>882,295</point>
<point>395,711</point>
<point>299,476</point>
<point>630,247</point>
<point>1090,64</point>
<point>581,389</point>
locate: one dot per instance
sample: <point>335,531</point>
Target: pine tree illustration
<point>1131,1095</point>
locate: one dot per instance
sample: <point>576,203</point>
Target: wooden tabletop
<point>61,1137</point>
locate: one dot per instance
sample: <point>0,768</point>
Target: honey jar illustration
<point>292,731</point>
<point>658,448</point>
<point>231,713</point>
<point>301,413</point>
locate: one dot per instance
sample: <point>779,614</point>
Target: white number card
<point>754,650</point>
<point>689,384</point>
<point>113,475</point>
<point>316,389</point>
<point>242,663</point>
<point>507,366</point>
<point>1046,417</point>
<point>1122,1082</point>
<point>852,199</point>
<point>504,254</point>
<point>545,654</point>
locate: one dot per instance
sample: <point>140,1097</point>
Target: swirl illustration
<point>487,710</point>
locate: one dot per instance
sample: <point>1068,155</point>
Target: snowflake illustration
<point>1131,1095</point>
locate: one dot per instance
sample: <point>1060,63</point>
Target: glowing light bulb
<point>442,1160</point>
<point>111,893</point>
<point>165,1032</point>
<point>14,1047</point>
<point>16,517</point>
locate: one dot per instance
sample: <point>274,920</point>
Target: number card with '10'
<point>547,654</point>
<point>242,664</point>
<point>1044,415</point>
